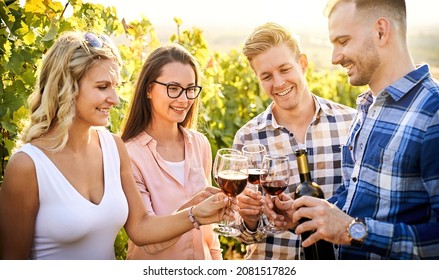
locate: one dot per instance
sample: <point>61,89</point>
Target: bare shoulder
<point>119,143</point>
<point>20,176</point>
<point>123,153</point>
<point>20,163</point>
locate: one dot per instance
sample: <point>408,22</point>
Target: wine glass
<point>231,176</point>
<point>254,153</point>
<point>222,151</point>
<point>274,180</point>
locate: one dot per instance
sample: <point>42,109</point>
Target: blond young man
<point>296,118</point>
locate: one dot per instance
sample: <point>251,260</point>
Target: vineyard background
<point>231,94</point>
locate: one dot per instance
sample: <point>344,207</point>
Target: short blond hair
<point>267,36</point>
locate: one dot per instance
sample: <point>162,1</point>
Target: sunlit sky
<point>234,13</point>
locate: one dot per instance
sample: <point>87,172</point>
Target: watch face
<point>357,231</point>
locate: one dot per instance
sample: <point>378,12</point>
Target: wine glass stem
<point>229,208</point>
<point>274,209</point>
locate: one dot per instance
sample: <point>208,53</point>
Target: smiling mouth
<point>348,66</point>
<point>104,110</point>
<point>179,109</point>
<point>285,92</point>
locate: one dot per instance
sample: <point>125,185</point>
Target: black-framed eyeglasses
<point>174,91</point>
<point>98,41</point>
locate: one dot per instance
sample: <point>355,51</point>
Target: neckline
<point>74,190</point>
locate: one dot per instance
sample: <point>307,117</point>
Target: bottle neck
<point>305,177</point>
<point>302,164</point>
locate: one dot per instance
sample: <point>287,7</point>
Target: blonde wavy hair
<point>53,101</point>
<point>266,36</point>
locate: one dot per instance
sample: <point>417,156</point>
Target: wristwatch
<point>357,231</point>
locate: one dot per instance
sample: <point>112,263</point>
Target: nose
<point>278,80</point>
<point>183,95</point>
<point>336,56</point>
<point>113,98</point>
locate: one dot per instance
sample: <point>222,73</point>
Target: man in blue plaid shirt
<point>295,119</point>
<point>388,204</point>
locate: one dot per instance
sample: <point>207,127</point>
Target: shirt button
<point>354,179</point>
<point>351,148</point>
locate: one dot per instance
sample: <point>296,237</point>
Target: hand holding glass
<point>230,171</point>
<point>274,180</point>
<point>255,154</point>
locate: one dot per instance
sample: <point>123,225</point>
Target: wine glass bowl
<point>230,171</point>
<point>254,153</point>
<point>274,187</point>
<point>222,151</point>
<point>274,180</point>
<point>231,182</point>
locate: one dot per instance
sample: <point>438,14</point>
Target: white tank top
<point>68,226</point>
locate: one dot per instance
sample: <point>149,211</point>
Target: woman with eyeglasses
<point>69,187</point>
<point>171,161</point>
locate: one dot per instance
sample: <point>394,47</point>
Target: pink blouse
<point>163,194</point>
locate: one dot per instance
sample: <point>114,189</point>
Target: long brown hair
<point>140,113</point>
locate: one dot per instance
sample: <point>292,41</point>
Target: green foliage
<point>121,245</point>
<point>231,94</point>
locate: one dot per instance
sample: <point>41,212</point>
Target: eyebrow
<point>280,66</point>
<point>337,38</point>
<point>179,84</point>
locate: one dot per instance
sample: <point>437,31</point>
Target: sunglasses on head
<point>98,41</point>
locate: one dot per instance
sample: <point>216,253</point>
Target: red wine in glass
<point>230,173</point>
<point>274,180</point>
<point>254,175</point>
<point>275,187</point>
<point>232,182</point>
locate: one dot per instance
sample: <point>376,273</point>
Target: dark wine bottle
<point>321,250</point>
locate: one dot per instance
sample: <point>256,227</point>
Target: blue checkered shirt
<point>325,136</point>
<point>391,171</point>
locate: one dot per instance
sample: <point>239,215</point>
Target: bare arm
<point>200,196</point>
<point>19,205</point>
<point>146,229</point>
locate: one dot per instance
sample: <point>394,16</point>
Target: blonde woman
<point>69,189</point>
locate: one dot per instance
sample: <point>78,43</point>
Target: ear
<point>382,29</point>
<point>303,61</point>
<point>148,92</point>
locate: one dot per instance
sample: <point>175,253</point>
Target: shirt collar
<point>267,119</point>
<point>401,87</point>
<point>398,89</point>
<point>144,138</point>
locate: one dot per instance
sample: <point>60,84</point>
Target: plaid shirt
<point>391,171</point>
<point>325,136</point>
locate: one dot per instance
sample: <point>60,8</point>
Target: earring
<point>148,95</point>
